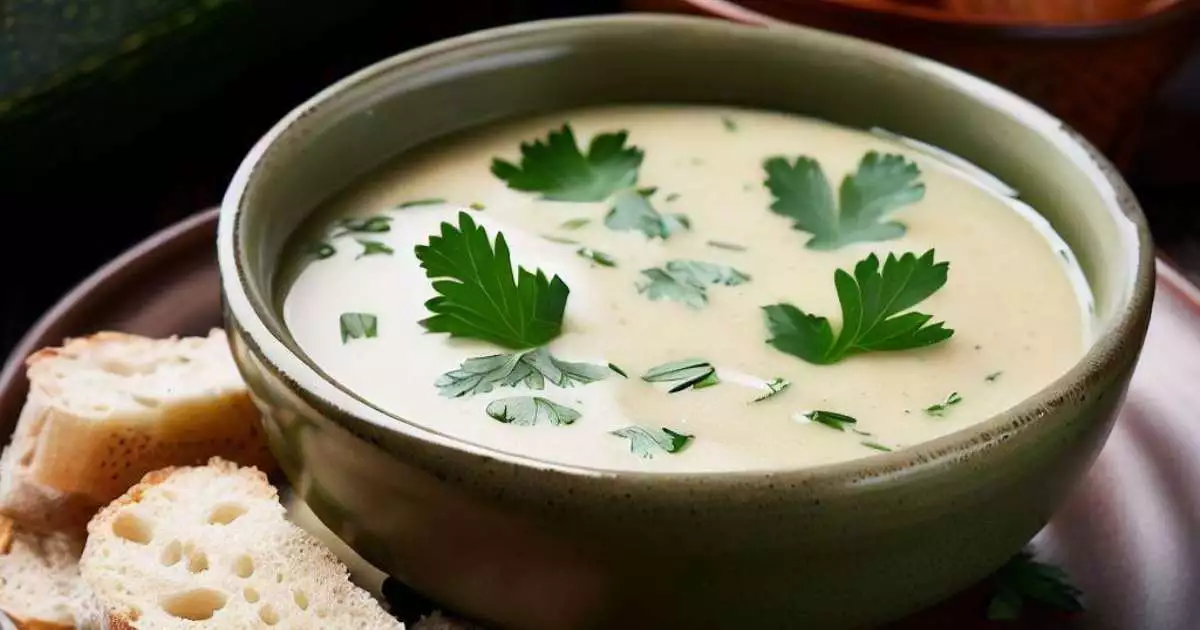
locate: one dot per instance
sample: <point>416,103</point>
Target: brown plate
<point>1128,536</point>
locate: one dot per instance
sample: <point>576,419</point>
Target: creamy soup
<point>642,325</point>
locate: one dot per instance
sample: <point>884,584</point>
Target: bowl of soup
<point>647,321</point>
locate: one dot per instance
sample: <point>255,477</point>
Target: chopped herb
<point>1065,255</point>
<point>374,248</point>
<point>747,187</point>
<point>632,211</point>
<point>560,239</point>
<point>530,410</point>
<point>940,409</point>
<point>686,281</point>
<point>1023,580</point>
<point>646,442</point>
<point>729,123</point>
<point>872,302</point>
<point>477,206</point>
<point>323,250</point>
<point>877,446</point>
<point>991,378</point>
<point>831,419</point>
<point>672,197</point>
<point>556,168</point>
<point>364,225</point>
<point>862,433</point>
<point>618,370</point>
<point>774,386</point>
<point>479,298</point>
<point>575,224</point>
<point>881,184</point>
<point>647,191</point>
<point>358,326</point>
<point>480,375</point>
<point>600,258</point>
<point>730,246</point>
<point>688,373</point>
<point>421,202</point>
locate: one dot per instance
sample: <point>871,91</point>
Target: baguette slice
<point>104,410</point>
<point>209,547</point>
<point>40,584</point>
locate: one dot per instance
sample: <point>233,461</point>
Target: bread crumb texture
<point>209,547</point>
<point>106,409</point>
<point>40,584</point>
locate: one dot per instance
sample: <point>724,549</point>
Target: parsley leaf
<point>575,224</point>
<point>1023,579</point>
<point>363,225</point>
<point>530,410</point>
<point>358,326</point>
<point>420,202</point>
<point>646,442</point>
<point>881,184</point>
<point>872,319</point>
<point>686,281</point>
<point>688,373</point>
<point>556,168</point>
<point>600,258</point>
<point>940,409</point>
<point>733,247</point>
<point>562,240</point>
<point>632,211</point>
<point>478,296</point>
<point>774,386</point>
<point>374,248</point>
<point>831,419</point>
<point>479,375</point>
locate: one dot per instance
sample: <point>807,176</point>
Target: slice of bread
<point>106,409</point>
<point>209,547</point>
<point>40,584</point>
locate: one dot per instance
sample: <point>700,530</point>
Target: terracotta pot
<point>1096,70</point>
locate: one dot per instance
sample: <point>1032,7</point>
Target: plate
<point>1127,536</point>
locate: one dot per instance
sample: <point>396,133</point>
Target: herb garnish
<point>1023,579</point>
<point>881,184</point>
<point>687,281</point>
<point>632,211</point>
<point>422,202</point>
<point>615,368</point>
<point>575,224</point>
<point>672,197</point>
<point>530,410</point>
<point>600,258</point>
<point>991,378</point>
<point>688,373</point>
<point>323,250</point>
<point>645,442</point>
<point>733,247</point>
<point>479,375</point>
<point>363,225</point>
<point>475,205</point>
<point>358,326</point>
<point>872,302</point>
<point>877,446</point>
<point>940,409</point>
<point>773,386</point>
<point>831,419</point>
<point>562,240</point>
<point>479,298</point>
<point>729,123</point>
<point>373,248</point>
<point>556,168</point>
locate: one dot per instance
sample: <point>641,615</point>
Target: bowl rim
<point>337,401</point>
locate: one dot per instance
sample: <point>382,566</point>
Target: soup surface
<point>670,262</point>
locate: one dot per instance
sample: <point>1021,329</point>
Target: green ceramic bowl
<point>527,544</point>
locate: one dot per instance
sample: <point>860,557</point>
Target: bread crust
<point>64,464</point>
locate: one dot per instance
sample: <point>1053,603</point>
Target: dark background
<point>137,141</point>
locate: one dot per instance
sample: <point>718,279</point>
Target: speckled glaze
<point>530,545</point>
